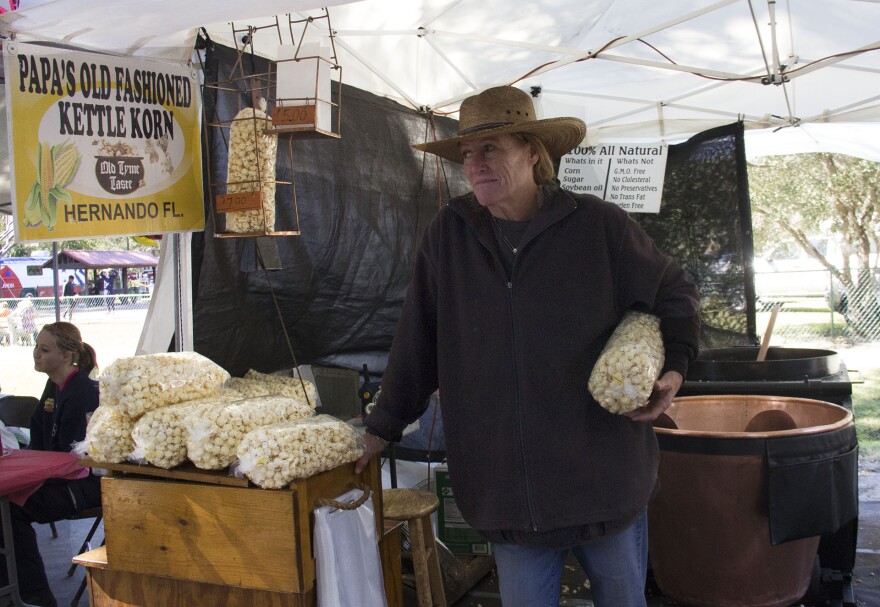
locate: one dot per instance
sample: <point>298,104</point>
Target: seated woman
<point>60,421</point>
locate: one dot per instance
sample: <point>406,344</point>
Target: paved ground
<point>57,553</point>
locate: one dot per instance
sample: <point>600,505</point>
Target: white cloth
<point>8,438</point>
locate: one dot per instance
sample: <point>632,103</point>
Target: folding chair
<point>97,514</point>
<point>17,410</point>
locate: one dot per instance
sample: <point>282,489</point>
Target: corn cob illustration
<point>66,164</point>
<point>56,167</point>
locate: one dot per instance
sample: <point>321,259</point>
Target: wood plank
<point>242,201</point>
<point>389,553</point>
<point>219,535</point>
<point>302,116</point>
<point>111,588</point>
<point>93,558</point>
<point>185,472</point>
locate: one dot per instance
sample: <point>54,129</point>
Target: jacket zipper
<point>511,308</point>
<point>509,284</point>
<point>519,416</point>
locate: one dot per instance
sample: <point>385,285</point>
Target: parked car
<point>26,277</point>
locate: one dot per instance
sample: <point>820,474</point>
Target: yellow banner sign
<point>101,145</point>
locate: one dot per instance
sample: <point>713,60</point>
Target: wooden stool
<point>415,507</point>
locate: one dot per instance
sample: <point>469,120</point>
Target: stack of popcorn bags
<point>165,409</point>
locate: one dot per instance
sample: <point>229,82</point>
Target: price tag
<point>293,115</point>
<point>242,201</point>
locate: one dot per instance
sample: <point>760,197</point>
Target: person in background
<point>23,322</point>
<point>516,288</point>
<point>68,400</point>
<point>70,294</point>
<point>102,284</point>
<point>111,289</point>
<point>5,330</point>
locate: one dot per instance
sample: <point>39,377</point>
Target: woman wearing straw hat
<point>516,288</point>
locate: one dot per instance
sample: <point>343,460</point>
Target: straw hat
<point>506,109</point>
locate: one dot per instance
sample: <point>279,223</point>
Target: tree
<point>94,244</point>
<point>808,193</point>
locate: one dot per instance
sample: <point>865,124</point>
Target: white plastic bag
<point>347,554</point>
<point>8,438</point>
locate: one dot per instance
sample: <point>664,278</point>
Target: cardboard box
<point>452,529</point>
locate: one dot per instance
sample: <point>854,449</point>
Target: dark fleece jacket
<point>528,448</point>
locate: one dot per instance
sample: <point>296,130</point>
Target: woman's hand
<point>665,389</point>
<point>373,446</point>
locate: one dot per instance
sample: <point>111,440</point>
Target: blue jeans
<point>616,566</point>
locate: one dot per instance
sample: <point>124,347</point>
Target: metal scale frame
<point>288,118</point>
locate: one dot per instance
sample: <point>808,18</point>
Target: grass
<point>866,405</point>
<point>804,324</point>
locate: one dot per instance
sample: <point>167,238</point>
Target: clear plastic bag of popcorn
<point>255,383</point>
<point>159,436</point>
<point>214,432</point>
<point>108,436</point>
<point>134,385</point>
<point>274,456</point>
<point>630,363</point>
<point>251,168</point>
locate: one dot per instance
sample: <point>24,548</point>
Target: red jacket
<point>528,448</point>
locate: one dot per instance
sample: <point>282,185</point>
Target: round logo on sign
<point>119,175</point>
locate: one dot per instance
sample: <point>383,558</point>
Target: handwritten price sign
<point>295,115</point>
<point>242,201</point>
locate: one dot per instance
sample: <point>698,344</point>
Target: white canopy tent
<point>802,75</point>
<point>804,72</point>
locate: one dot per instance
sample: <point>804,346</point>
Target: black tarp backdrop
<point>705,224</point>
<point>364,201</point>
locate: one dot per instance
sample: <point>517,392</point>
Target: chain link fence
<point>840,316</point>
<point>21,319</point>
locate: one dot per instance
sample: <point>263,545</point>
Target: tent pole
<point>430,19</point>
<point>178,329</point>
<point>774,47</point>
<point>376,71</point>
<point>615,43</point>
<point>448,62</point>
<point>55,280</point>
<point>183,341</point>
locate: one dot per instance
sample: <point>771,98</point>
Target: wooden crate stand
<point>211,537</point>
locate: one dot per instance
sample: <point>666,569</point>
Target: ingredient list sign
<point>101,145</point>
<point>631,176</point>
